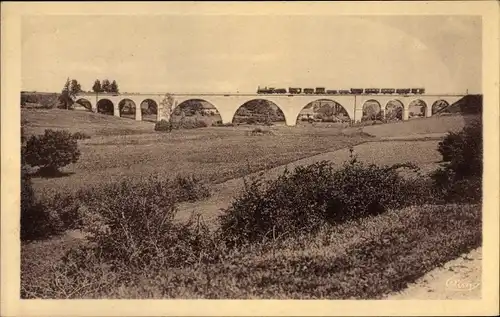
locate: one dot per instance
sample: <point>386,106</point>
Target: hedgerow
<point>310,196</point>
<point>63,212</point>
<point>166,126</point>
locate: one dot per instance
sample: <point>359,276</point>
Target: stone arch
<point>196,109</point>
<point>394,109</point>
<point>439,105</point>
<point>324,109</point>
<point>105,106</point>
<point>149,110</point>
<point>417,108</point>
<point>126,108</point>
<point>372,110</point>
<point>258,110</point>
<point>82,104</point>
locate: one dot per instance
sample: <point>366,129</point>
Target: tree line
<point>72,87</point>
<point>106,86</point>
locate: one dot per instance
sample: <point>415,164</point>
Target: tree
<point>152,106</point>
<point>71,88</point>
<point>114,87</point>
<point>65,100</point>
<point>193,106</point>
<point>166,109</point>
<point>97,86</point>
<point>106,85</point>
<point>422,110</point>
<point>75,87</point>
<point>325,109</point>
<point>51,151</point>
<point>372,111</point>
<point>259,106</point>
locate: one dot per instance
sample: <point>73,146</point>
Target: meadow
<point>317,253</point>
<point>125,149</point>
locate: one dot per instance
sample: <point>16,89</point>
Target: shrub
<point>132,225</point>
<point>460,177</point>
<point>80,136</point>
<point>463,150</point>
<point>310,196</point>
<point>68,209</point>
<point>83,209</point>
<point>220,124</point>
<point>42,100</point>
<point>51,151</point>
<point>163,126</point>
<point>190,188</point>
<point>190,124</point>
<point>364,259</point>
<point>36,221</point>
<point>260,131</point>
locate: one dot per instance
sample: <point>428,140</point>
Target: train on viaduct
<point>290,101</point>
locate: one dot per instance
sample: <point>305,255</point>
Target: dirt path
<point>422,153</point>
<point>457,279</point>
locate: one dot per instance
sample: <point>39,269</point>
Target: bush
<point>163,126</point>
<point>80,136</point>
<point>190,124</point>
<point>460,177</point>
<point>363,259</point>
<point>190,188</point>
<point>307,198</point>
<point>73,211</point>
<point>166,126</point>
<point>259,131</point>
<point>39,100</point>
<point>131,224</point>
<point>36,221</point>
<point>220,124</point>
<point>463,150</point>
<point>51,151</point>
<point>250,120</point>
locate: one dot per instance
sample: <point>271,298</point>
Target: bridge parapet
<point>228,103</point>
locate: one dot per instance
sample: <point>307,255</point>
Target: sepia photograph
<point>242,154</point>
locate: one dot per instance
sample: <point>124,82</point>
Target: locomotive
<point>352,91</point>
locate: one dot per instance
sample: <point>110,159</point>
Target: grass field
<point>81,121</point>
<point>361,259</point>
<point>126,149</point>
<point>436,124</point>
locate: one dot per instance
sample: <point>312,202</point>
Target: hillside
<point>432,125</point>
<point>36,121</point>
<point>471,104</point>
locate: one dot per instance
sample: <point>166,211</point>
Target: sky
<point>237,53</point>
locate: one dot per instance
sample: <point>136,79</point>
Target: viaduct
<point>291,105</point>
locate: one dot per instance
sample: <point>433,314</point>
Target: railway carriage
<point>352,91</point>
<point>387,90</point>
<point>372,90</point>
<point>356,91</point>
<point>320,91</point>
<point>403,91</point>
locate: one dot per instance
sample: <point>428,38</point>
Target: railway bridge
<point>290,104</point>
